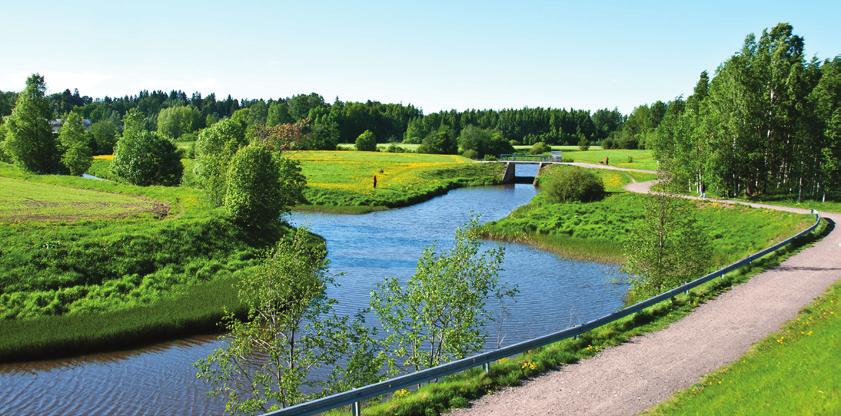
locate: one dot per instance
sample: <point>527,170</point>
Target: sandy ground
<point>630,378</point>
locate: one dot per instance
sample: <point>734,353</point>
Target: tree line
<point>768,122</point>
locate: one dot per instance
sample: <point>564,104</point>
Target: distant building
<point>56,124</point>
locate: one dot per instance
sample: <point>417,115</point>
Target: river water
<point>554,293</point>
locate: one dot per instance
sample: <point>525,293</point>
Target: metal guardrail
<point>355,396</point>
<point>525,158</point>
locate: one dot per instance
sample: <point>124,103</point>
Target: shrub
<point>569,185</point>
<point>144,158</point>
<point>253,197</point>
<point>470,153</point>
<point>214,149</point>
<point>482,142</point>
<point>439,142</point>
<point>539,148</point>
<point>366,141</point>
<point>395,148</point>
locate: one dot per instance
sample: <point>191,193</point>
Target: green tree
<point>261,186</point>
<point>76,150</point>
<point>29,139</point>
<point>483,142</point>
<point>539,148</point>
<point>173,122</point>
<point>214,149</point>
<point>104,136</point>
<point>440,312</point>
<point>142,157</point>
<point>278,113</point>
<point>668,247</point>
<point>440,141</point>
<point>291,331</point>
<point>366,142</point>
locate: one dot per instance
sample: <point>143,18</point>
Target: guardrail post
<point>356,409</point>
<point>487,367</point>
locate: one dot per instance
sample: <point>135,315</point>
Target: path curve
<point>630,378</point>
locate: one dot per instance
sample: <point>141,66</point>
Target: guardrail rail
<point>354,397</point>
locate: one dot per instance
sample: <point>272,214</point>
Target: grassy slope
<point>343,180</point>
<point>792,372</point>
<point>598,230</point>
<point>67,285</point>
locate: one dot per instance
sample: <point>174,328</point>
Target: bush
<point>538,148</point>
<point>570,185</point>
<point>144,158</point>
<point>470,154</point>
<point>482,142</point>
<point>366,141</point>
<point>253,197</point>
<point>439,142</point>
<point>395,148</point>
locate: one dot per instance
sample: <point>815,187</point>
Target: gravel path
<point>630,378</point>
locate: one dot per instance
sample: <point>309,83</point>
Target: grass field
<point>113,252</point>
<point>343,181</point>
<point>598,230</point>
<point>22,200</point>
<point>792,372</point>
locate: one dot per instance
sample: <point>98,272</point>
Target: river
<point>554,293</point>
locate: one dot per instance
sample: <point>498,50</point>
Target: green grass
<point>623,158</point>
<point>22,200</point>
<point>409,147</point>
<point>63,279</point>
<point>343,181</point>
<point>792,372</point>
<point>458,390</point>
<point>598,230</point>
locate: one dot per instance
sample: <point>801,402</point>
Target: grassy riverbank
<point>458,390</point>
<point>342,181</point>
<point>800,363</point>
<point>89,265</point>
<point>598,230</point>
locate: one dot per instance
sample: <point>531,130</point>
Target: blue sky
<point>436,55</point>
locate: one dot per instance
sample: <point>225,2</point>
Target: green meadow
<point>598,230</point>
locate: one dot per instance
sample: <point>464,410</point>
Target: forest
<point>179,117</point>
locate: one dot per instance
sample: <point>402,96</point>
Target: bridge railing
<point>516,157</point>
<point>354,397</point>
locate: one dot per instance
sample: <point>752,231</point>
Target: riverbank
<point>597,231</point>
<point>507,387</point>
<point>342,181</point>
<point>96,265</point>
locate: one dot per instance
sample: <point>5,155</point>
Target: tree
<point>142,157</point>
<point>260,187</point>
<point>173,122</point>
<point>366,142</point>
<point>667,248</point>
<point>215,147</point>
<point>30,141</point>
<point>76,150</point>
<point>440,312</point>
<point>481,142</point>
<point>278,113</point>
<point>104,136</point>
<point>440,141</point>
<point>583,143</point>
<point>290,332</point>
